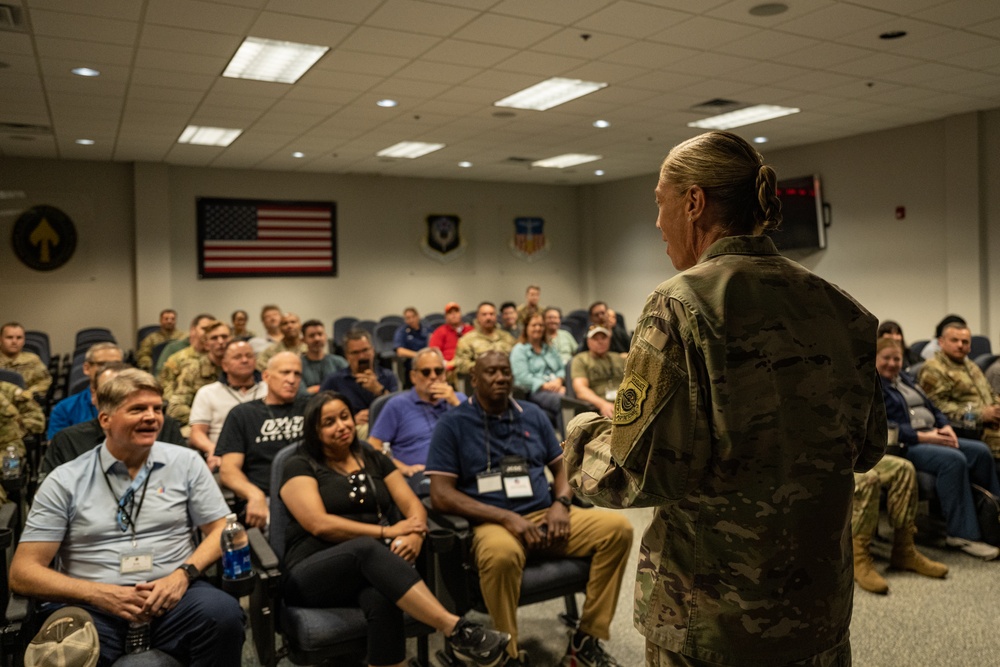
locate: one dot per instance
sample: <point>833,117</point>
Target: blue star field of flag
<point>228,222</point>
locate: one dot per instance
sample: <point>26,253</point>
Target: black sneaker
<point>586,651</point>
<point>473,644</point>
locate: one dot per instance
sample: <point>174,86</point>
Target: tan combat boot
<point>906,557</point>
<point>864,568</point>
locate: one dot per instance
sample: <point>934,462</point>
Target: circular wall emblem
<point>44,238</point>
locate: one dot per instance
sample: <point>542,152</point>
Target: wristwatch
<point>565,500</point>
<point>191,571</point>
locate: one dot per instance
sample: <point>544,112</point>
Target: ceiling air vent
<point>519,160</point>
<point>12,18</point>
<point>718,105</point>
<point>24,128</point>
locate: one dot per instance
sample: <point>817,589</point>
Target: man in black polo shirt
<point>254,432</point>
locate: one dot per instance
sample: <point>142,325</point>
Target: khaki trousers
<point>604,536</point>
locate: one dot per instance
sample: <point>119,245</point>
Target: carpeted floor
<point>921,622</point>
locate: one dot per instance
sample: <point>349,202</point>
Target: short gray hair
<point>114,393</point>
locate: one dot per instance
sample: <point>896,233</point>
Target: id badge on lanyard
<point>516,481</point>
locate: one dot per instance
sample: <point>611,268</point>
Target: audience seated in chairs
<point>930,444</point>
<point>238,324</point>
<point>239,383</point>
<point>411,337</point>
<point>557,337</point>
<point>254,432</point>
<point>20,416</point>
<point>538,369</point>
<point>168,331</point>
<point>356,529</point>
<point>200,371</point>
<point>143,498</point>
<point>317,362</point>
<point>13,358</point>
<point>78,439</point>
<point>596,374</point>
<point>501,485</point>
<point>484,337</point>
<point>81,406</point>
<point>407,420</point>
<point>899,478</point>
<point>178,352</point>
<point>291,340</point>
<point>446,336</point>
<point>508,319</point>
<point>362,381</point>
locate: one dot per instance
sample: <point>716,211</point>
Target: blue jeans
<point>954,469</point>
<point>205,629</point>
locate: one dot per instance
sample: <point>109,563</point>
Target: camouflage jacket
<point>474,343</point>
<point>749,397</point>
<point>952,386</point>
<point>172,370</point>
<point>280,346</point>
<point>36,376</point>
<point>144,357</point>
<point>194,374</point>
<point>19,416</point>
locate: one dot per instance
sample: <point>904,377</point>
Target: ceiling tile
<point>631,19</point>
<point>421,17</point>
<point>542,64</point>
<point>422,70</point>
<point>289,28</point>
<point>197,15</point>
<point>833,21</point>
<point>156,77</point>
<point>958,13</point>
<point>459,52</point>
<point>71,26</point>
<point>551,11</point>
<point>388,42</point>
<point>767,45</point>
<point>128,10</point>
<point>168,38</point>
<point>362,63</point>
<point>94,54</point>
<point>702,32</point>
<point>506,31</point>
<point>176,61</point>
<point>571,43</point>
<point>354,11</point>
<point>644,53</point>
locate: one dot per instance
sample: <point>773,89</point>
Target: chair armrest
<point>577,405</point>
<point>444,521</point>
<point>262,552</point>
<point>17,608</point>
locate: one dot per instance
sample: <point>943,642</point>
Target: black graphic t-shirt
<point>259,431</point>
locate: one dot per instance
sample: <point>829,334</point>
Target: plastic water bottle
<point>137,639</point>
<point>968,422</point>
<point>11,464</point>
<point>235,550</point>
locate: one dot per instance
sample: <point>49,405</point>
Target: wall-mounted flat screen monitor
<point>801,214</point>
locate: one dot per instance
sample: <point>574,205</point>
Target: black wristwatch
<point>565,500</point>
<point>191,571</point>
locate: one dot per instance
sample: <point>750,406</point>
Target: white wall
<point>913,270</point>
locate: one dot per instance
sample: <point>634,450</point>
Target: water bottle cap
<point>230,518</point>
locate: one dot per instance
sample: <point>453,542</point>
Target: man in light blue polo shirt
<point>119,523</point>
<point>407,420</point>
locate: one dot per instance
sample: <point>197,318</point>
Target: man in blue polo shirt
<point>410,338</point>
<point>118,523</point>
<point>407,420</point>
<point>487,462</point>
<point>79,407</point>
<point>362,381</point>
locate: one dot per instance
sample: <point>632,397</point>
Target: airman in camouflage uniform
<point>199,371</point>
<point>291,341</point>
<point>37,379</point>
<point>749,396</point>
<point>176,362</point>
<point>953,382</point>
<point>900,478</point>
<point>167,332</point>
<point>485,337</point>
<point>19,416</point>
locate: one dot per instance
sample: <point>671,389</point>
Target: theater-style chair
<point>87,337</point>
<point>397,320</point>
<point>986,360</point>
<point>382,340</point>
<point>158,350</point>
<point>341,326</point>
<point>433,320</point>
<point>979,345</point>
<point>141,334</point>
<point>310,636</point>
<point>544,578</point>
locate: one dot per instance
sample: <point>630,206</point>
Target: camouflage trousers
<point>657,656</point>
<point>991,437</point>
<point>900,477</point>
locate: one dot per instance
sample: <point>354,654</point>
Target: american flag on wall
<point>239,238</point>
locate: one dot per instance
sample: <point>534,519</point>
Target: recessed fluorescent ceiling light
<point>740,117</point>
<point>409,149</point>
<point>272,60</point>
<point>85,71</point>
<point>208,136</point>
<point>567,160</point>
<point>550,93</point>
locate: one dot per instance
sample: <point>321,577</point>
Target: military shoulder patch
<point>631,396</point>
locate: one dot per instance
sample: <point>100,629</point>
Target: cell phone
<point>364,365</point>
